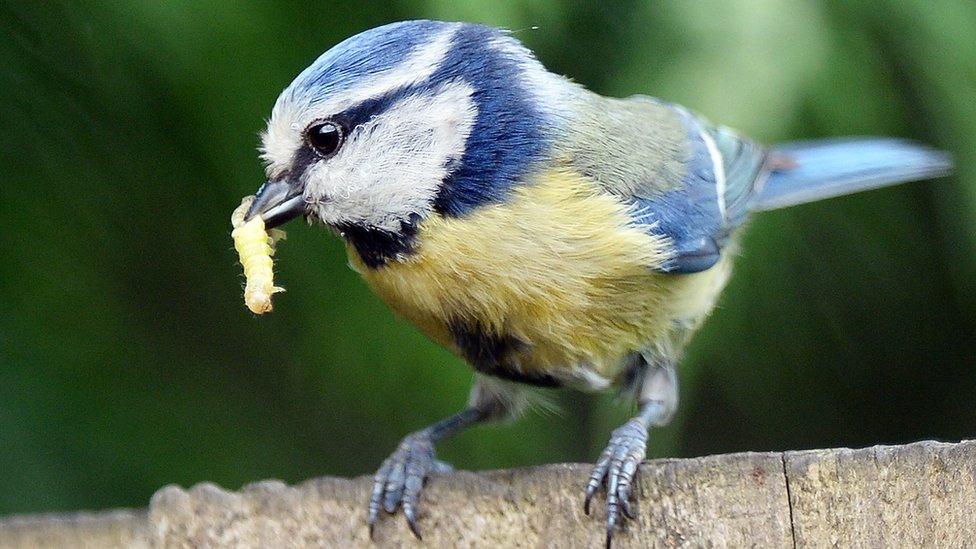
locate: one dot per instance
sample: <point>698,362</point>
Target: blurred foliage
<point>127,360</point>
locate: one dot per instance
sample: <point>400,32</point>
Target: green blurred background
<point>127,360</point>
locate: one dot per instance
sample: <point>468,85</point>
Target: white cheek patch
<point>283,135</point>
<point>394,165</point>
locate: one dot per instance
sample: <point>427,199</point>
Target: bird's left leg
<point>617,466</point>
<point>400,479</point>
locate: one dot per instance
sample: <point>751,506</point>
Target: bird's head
<point>402,122</point>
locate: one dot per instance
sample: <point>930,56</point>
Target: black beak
<point>277,202</point>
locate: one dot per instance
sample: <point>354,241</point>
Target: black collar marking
<point>377,247</point>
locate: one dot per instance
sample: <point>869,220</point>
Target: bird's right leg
<point>401,477</point>
<point>618,464</point>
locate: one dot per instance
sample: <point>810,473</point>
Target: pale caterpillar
<point>255,247</point>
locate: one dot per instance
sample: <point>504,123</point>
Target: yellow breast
<point>559,266</point>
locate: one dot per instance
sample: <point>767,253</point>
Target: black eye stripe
<point>304,157</point>
<point>353,117</point>
<point>363,112</point>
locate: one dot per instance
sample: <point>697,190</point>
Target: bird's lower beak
<point>277,202</point>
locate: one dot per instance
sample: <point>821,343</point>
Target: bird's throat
<point>377,247</point>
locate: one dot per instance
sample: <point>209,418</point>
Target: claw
<point>400,480</point>
<point>596,477</point>
<point>628,509</point>
<point>411,495</point>
<point>616,469</point>
<point>590,492</point>
<point>410,512</point>
<point>627,473</point>
<point>376,497</point>
<point>371,520</point>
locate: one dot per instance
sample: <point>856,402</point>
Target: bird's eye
<point>324,137</point>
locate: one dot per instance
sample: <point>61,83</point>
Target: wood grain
<point>917,495</point>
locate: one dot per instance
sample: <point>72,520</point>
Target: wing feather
<point>722,175</point>
<point>688,180</point>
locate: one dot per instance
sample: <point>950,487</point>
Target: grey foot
<point>401,478</point>
<point>616,469</point>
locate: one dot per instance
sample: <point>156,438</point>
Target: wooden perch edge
<point>920,494</point>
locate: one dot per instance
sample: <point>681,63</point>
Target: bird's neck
<point>377,247</point>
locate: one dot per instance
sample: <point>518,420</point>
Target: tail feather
<point>813,170</point>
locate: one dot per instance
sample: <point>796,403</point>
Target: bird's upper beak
<point>277,202</point>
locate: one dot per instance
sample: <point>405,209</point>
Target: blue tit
<point>547,235</point>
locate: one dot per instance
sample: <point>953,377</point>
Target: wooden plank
<point>738,499</point>
<point>120,528</point>
<point>918,495</point>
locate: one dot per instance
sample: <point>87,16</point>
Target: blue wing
<point>729,176</point>
<point>722,176</point>
<point>695,183</point>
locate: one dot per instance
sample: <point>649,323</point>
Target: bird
<point>549,236</point>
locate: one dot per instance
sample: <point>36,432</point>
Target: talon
<point>400,480</point>
<point>590,490</point>
<point>374,515</point>
<point>371,519</point>
<point>624,493</point>
<point>628,509</point>
<point>616,470</point>
<point>412,523</point>
<point>597,476</point>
